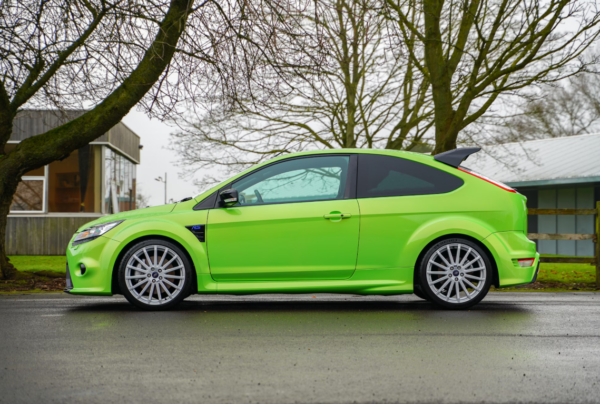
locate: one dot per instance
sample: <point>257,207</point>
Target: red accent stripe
<point>504,187</point>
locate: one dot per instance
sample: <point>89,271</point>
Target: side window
<point>297,180</point>
<point>380,176</point>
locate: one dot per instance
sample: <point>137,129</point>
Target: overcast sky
<point>156,159</point>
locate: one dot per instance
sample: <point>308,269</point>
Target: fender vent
<point>199,231</point>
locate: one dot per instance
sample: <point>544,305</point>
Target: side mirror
<point>229,197</point>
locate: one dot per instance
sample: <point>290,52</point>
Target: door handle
<point>337,215</point>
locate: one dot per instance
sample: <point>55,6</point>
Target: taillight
<point>526,262</point>
<point>491,181</point>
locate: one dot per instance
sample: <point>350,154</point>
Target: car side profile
<point>338,221</point>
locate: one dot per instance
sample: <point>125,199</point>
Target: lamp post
<point>160,179</point>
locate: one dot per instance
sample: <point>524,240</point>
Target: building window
<point>30,195</point>
<point>120,182</point>
<point>72,182</point>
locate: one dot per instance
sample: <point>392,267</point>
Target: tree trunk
<point>445,138</point>
<point>8,184</point>
<point>447,133</point>
<point>440,77</point>
<point>10,176</point>
<point>8,187</point>
<point>57,143</point>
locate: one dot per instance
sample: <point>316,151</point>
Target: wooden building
<point>561,173</point>
<point>53,201</point>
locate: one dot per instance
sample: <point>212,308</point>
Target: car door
<point>396,196</point>
<point>297,219</point>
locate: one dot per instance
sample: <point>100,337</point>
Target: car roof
<point>397,153</point>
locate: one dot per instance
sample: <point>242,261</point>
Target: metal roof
<point>564,160</point>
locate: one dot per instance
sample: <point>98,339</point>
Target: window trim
<point>46,188</point>
<point>103,179</point>
<point>44,193</point>
<point>44,179</point>
<point>351,180</point>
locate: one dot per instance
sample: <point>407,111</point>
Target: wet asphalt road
<point>513,347</point>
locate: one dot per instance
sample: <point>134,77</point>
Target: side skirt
<point>388,281</point>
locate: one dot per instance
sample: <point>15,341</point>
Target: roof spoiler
<point>455,157</point>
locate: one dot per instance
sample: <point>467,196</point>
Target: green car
<point>339,221</point>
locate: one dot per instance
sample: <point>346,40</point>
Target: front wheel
<point>155,275</point>
<point>419,293</point>
<point>455,273</point>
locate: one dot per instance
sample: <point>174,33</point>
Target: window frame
<point>127,169</point>
<point>44,179</point>
<point>349,191</point>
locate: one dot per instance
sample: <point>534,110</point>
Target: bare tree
<point>335,75</point>
<point>141,200</point>
<point>567,108</point>
<point>101,55</point>
<point>473,51</point>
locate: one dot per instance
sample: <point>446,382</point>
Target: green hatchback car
<point>341,221</point>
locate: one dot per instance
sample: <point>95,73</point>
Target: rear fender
<point>436,229</point>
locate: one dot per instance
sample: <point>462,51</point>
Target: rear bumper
<point>507,247</point>
<point>537,269</point>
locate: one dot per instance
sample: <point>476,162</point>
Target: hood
<point>132,214</point>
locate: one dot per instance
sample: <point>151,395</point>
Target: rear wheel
<point>155,275</point>
<point>455,273</point>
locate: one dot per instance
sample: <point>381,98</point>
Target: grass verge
<point>560,278</point>
<point>37,273</point>
<point>36,263</point>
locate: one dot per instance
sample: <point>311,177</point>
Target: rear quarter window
<point>380,176</point>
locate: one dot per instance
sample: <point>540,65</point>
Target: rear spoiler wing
<point>455,157</point>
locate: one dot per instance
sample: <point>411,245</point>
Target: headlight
<point>94,232</point>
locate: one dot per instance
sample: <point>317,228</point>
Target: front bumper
<point>69,281</point>
<point>96,255</point>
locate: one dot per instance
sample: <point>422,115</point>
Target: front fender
<point>163,227</point>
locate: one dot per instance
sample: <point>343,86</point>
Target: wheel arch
<point>114,279</point>
<point>496,279</point>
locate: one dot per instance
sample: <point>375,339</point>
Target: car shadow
<point>256,305</point>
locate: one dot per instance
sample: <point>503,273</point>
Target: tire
<point>155,275</point>
<point>419,293</point>
<point>455,273</point>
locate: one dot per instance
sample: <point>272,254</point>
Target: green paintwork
<point>253,243</point>
<point>294,248</point>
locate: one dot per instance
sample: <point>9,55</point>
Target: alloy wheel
<point>155,275</point>
<point>456,273</point>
